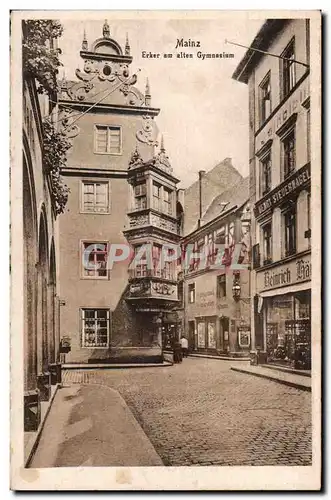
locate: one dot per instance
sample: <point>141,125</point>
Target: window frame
<point>119,127</point>
<point>286,88</point>
<point>266,259</point>
<point>284,139</point>
<point>81,262</point>
<point>191,288</point>
<point>167,205</point>
<point>221,285</point>
<point>292,210</point>
<point>262,113</point>
<point>94,181</point>
<point>263,189</point>
<point>140,196</point>
<point>82,326</point>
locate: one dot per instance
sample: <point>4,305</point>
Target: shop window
<point>288,153</point>
<point>191,293</point>
<point>267,243</point>
<point>288,69</point>
<point>265,176</point>
<point>95,257</point>
<point>201,327</point>
<point>221,286</point>
<point>140,199</point>
<point>108,139</point>
<point>265,99</point>
<point>290,229</point>
<point>167,201</point>
<point>95,327</point>
<point>95,197</point>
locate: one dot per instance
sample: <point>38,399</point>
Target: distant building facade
<point>122,193</point>
<point>279,131</point>
<point>216,295</point>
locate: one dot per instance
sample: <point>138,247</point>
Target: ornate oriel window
<point>140,198</point>
<point>95,327</point>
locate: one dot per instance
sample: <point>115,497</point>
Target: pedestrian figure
<point>184,345</point>
<point>177,352</point>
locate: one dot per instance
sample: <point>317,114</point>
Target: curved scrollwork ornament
<point>147,133</point>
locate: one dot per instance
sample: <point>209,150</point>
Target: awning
<point>299,287</point>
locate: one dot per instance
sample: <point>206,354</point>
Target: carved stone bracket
<point>147,134</point>
<point>66,119</point>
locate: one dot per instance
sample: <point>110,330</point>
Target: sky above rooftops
<point>204,112</point>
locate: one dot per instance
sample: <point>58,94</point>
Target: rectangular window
<point>157,197</point>
<point>95,327</point>
<point>95,257</point>
<point>191,293</point>
<point>267,244</point>
<point>140,199</point>
<point>167,200</point>
<point>290,232</point>
<point>288,147</point>
<point>266,174</point>
<point>265,99</point>
<point>221,286</point>
<point>95,197</point>
<point>140,270</point>
<point>108,139</point>
<point>288,68</point>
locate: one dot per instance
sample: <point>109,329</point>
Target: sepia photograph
<point>165,211</point>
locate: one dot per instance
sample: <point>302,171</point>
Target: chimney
<point>202,173</point>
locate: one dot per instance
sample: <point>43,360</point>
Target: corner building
<point>279,148</point>
<point>112,126</point>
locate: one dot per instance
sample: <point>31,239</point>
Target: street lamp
<point>236,288</point>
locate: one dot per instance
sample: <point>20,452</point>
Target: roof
<point>235,196</point>
<point>219,179</point>
<point>262,41</point>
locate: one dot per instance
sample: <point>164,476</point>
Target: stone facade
<point>108,119</point>
<point>279,117</point>
<point>40,288</point>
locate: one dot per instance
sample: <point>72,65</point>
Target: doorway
<point>191,335</point>
<point>224,334</point>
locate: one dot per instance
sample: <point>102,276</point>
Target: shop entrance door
<point>224,332</point>
<point>191,335</point>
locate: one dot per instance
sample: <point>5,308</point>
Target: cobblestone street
<point>202,413</point>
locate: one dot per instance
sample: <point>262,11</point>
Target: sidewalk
<point>281,376</point>
<point>91,425</point>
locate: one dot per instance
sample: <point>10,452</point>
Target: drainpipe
<point>201,175</point>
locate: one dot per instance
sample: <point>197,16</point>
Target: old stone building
<point>123,192</point>
<point>279,140</point>
<point>217,276</point>
<point>40,287</point>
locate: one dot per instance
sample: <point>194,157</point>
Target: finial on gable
<point>84,42</point>
<point>148,96</point>
<point>127,46</point>
<point>106,29</point>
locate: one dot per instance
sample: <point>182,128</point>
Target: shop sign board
<point>296,271</point>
